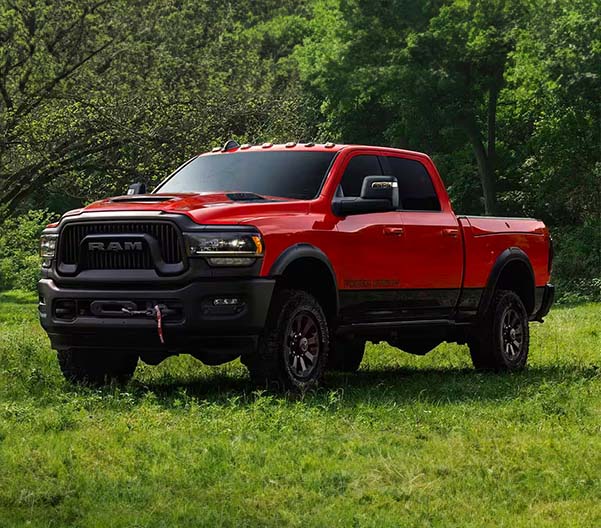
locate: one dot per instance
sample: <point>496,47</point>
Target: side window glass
<point>359,167</point>
<point>416,191</point>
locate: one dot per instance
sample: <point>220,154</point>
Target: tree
<point>552,123</point>
<point>95,94</point>
<point>46,49</point>
<point>421,72</point>
<point>463,57</point>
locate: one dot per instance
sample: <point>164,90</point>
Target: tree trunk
<point>490,195</point>
<point>486,156</point>
<point>487,175</point>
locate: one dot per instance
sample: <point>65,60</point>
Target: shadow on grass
<point>400,385</point>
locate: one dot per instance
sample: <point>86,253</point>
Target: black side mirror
<point>136,188</point>
<point>381,188</point>
<point>379,194</point>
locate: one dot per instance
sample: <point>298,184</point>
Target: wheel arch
<point>511,271</point>
<point>306,267</point>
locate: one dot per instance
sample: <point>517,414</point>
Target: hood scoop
<point>245,197</point>
<point>143,198</point>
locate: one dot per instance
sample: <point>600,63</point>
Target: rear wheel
<point>346,354</point>
<point>501,342</point>
<point>96,367</point>
<point>293,350</point>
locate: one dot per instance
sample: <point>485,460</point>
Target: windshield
<point>284,174</point>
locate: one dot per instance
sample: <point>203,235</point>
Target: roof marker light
<point>230,144</point>
<point>216,149</point>
<point>310,144</point>
<point>245,146</point>
<point>329,144</point>
<point>291,144</point>
<point>267,145</point>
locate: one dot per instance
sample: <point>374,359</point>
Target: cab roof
<point>313,147</point>
<point>246,147</point>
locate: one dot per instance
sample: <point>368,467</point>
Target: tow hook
<point>157,312</point>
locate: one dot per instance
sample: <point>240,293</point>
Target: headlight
<point>225,249</point>
<point>48,249</point>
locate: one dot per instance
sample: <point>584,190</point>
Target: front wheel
<point>293,350</point>
<point>501,342</point>
<point>96,367</point>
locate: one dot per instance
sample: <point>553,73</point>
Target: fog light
<point>65,309</point>
<point>226,301</point>
<point>222,306</point>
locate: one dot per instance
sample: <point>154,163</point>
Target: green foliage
<point>408,441</point>
<point>19,244</point>
<point>96,94</point>
<point>504,94</point>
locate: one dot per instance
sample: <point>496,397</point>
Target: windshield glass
<point>287,174</point>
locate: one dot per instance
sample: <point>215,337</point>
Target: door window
<point>416,191</point>
<point>358,168</point>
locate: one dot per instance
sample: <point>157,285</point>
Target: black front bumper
<point>193,321</point>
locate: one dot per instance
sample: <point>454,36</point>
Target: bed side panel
<point>487,238</point>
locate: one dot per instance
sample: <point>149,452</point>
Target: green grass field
<point>408,441</point>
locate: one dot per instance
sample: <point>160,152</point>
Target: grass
<point>408,441</point>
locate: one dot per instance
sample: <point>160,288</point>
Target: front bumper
<point>91,318</point>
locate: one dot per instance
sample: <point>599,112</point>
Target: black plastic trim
<point>298,251</point>
<point>392,305</point>
<point>548,297</point>
<point>511,254</point>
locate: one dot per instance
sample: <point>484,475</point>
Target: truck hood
<point>222,207</point>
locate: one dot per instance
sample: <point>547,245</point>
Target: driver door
<point>368,250</point>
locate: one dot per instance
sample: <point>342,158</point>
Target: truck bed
<point>485,238</point>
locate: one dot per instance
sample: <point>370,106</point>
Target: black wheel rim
<point>303,345</point>
<point>512,333</point>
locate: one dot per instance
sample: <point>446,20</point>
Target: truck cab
<point>289,257</point>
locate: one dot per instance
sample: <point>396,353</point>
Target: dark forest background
<point>505,95</point>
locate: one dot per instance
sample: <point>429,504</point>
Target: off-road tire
<point>346,354</point>
<point>294,315</point>
<point>501,341</point>
<point>96,367</point>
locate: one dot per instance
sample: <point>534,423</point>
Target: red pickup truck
<point>290,257</point>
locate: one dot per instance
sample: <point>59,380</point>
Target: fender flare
<point>512,254</point>
<point>298,251</point>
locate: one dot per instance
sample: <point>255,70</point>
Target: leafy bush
<point>578,291</point>
<point>577,264</point>
<point>19,239</point>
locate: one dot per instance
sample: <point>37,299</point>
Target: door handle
<point>453,233</point>
<point>393,231</point>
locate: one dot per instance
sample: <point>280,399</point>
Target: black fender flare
<point>509,255</point>
<point>298,251</point>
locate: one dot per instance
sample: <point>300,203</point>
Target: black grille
<point>165,233</point>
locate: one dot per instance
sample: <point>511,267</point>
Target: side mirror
<point>379,194</point>
<point>136,188</point>
<point>381,188</point>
